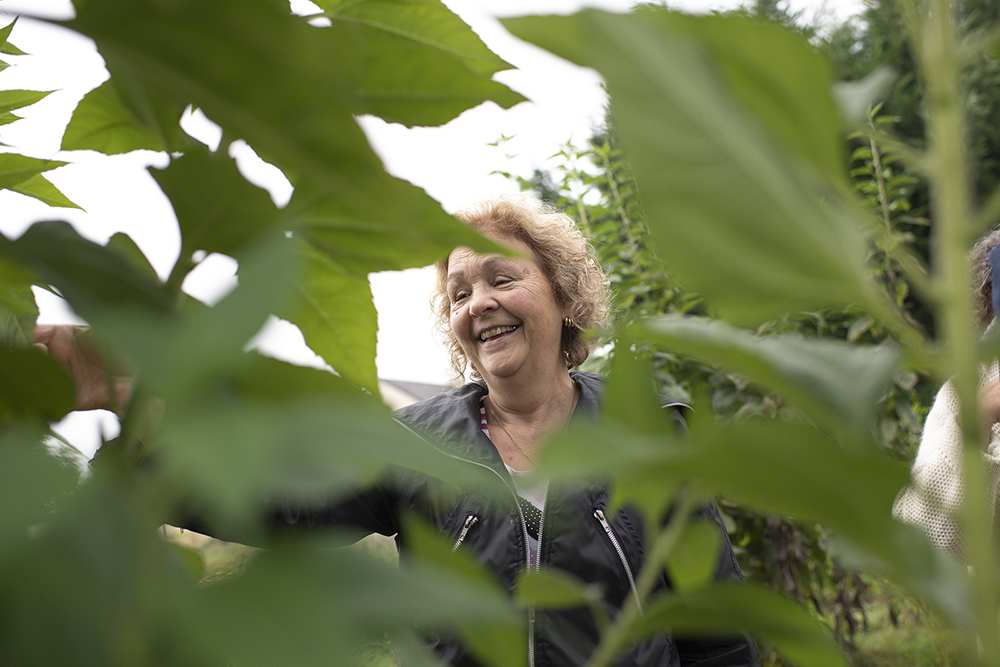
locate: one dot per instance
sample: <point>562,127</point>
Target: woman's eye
<point>458,296</point>
<point>502,280</point>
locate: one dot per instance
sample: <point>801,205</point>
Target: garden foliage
<point>735,140</point>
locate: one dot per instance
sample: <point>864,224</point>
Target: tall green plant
<point>735,143</point>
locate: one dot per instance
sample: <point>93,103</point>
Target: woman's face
<point>504,314</point>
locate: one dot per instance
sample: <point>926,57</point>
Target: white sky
<point>453,163</point>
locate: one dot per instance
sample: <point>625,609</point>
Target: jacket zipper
<point>599,515</point>
<point>538,565</point>
<point>470,521</point>
<point>524,528</point>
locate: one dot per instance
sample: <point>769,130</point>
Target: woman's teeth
<point>495,331</point>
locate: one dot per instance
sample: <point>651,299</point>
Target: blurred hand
<point>98,387</point>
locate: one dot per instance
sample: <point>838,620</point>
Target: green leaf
<point>18,99</point>
<point>497,643</point>
<point>798,473</point>
<point>6,118</point>
<point>758,611</point>
<point>30,479</point>
<point>735,215</point>
<point>217,209</point>
<point>41,189</point>
<point>691,564</point>
<point>16,169</point>
<point>836,384</point>
<point>555,589</point>
<point>855,98</point>
<point>419,63</point>
<point>17,304</point>
<point>5,46</point>
<point>794,102</point>
<point>103,122</point>
<point>335,312</point>
<point>33,386</point>
<point>94,280</point>
<point>123,244</point>
<point>408,229</point>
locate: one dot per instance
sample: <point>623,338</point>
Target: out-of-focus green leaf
<point>798,472</point>
<point>96,568</point>
<point>631,400</point>
<point>554,589</point>
<point>421,65</point>
<point>836,384</point>
<point>30,479</point>
<point>17,99</point>
<point>499,643</point>
<point>42,190</point>
<point>794,101</point>
<point>409,230</point>
<point>758,611</point>
<point>175,356</point>
<point>124,245</point>
<point>855,98</point>
<point>33,386</point>
<point>6,117</point>
<point>334,598</point>
<point>94,279</point>
<point>17,303</point>
<point>692,561</point>
<point>217,209</point>
<point>335,313</point>
<point>16,169</point>
<point>102,122</point>
<point>735,217</point>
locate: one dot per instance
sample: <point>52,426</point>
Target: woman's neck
<point>534,410</point>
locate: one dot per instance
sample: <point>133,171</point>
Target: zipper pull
<point>599,515</point>
<point>470,521</point>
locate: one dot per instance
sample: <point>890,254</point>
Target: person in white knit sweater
<point>935,498</point>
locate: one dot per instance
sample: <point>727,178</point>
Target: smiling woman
<point>517,320</point>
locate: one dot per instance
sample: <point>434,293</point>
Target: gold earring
<point>569,323</point>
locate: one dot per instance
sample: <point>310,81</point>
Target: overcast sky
<point>453,163</point>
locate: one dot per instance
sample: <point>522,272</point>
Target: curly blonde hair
<point>559,248</point>
<point>981,277</point>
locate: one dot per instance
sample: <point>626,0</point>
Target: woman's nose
<point>481,302</point>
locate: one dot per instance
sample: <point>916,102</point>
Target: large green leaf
<point>17,303</point>
<point>761,612</point>
<point>836,384</point>
<point>32,386</point>
<point>417,62</point>
<point>102,122</point>
<point>97,568</point>
<point>411,230</point>
<point>735,215</point>
<point>217,209</point>
<point>795,101</point>
<point>503,640</point>
<point>94,279</point>
<point>291,90</point>
<point>792,470</point>
<point>337,317</point>
<point>30,479</point>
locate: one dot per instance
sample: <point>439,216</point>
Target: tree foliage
<point>734,139</point>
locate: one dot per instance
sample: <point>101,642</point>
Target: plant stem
<point>935,44</point>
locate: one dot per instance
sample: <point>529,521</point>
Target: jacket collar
<point>451,419</point>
